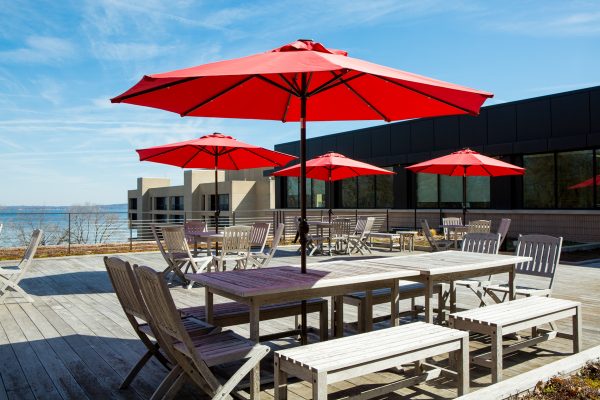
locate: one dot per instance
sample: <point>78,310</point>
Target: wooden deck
<point>74,342</point>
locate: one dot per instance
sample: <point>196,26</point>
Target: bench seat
<point>513,316</point>
<point>234,313</point>
<point>352,356</point>
<point>396,240</point>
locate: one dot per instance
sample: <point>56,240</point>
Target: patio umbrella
<point>465,163</point>
<point>280,84</point>
<point>331,167</point>
<point>215,151</point>
<point>587,183</point>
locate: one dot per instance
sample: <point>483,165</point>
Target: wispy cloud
<point>39,50</point>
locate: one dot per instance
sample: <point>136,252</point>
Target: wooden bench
<point>234,313</point>
<point>513,316</point>
<point>407,290</point>
<point>399,236</point>
<point>352,356</point>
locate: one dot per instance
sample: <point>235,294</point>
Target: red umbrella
<point>465,163</point>
<point>586,183</point>
<point>332,167</point>
<point>216,151</point>
<point>278,84</point>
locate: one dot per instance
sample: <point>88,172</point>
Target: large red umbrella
<point>278,84</point>
<point>216,151</point>
<point>333,167</point>
<point>465,163</point>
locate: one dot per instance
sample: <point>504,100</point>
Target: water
<point>89,224</point>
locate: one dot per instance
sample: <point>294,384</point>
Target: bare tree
<point>90,225</point>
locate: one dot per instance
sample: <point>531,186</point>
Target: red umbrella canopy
<point>467,162</point>
<point>333,167</point>
<point>214,151</point>
<point>586,183</point>
<point>270,86</point>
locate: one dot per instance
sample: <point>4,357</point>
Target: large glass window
<point>575,183</point>
<point>348,193</point>
<point>133,203</point>
<point>318,193</point>
<point>538,181</point>
<point>176,203</point>
<point>160,203</point>
<point>478,191</point>
<point>293,193</point>
<point>451,191</point>
<point>366,192</point>
<point>384,196</point>
<point>427,191</point>
<point>597,178</point>
<point>223,202</point>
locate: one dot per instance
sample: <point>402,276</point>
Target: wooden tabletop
<point>265,281</point>
<point>445,262</point>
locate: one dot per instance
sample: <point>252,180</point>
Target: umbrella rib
<point>382,115</point>
<point>232,161</point>
<point>160,154</point>
<point>120,99</point>
<point>277,85</point>
<point>291,84</point>
<point>330,85</point>
<point>263,157</point>
<point>471,112</point>
<point>192,157</point>
<point>222,92</point>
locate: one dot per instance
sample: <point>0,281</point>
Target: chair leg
<point>257,354</point>
<point>14,286</point>
<point>167,383</point>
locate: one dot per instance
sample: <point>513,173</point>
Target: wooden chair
<point>545,251</point>
<point>180,255</point>
<point>436,245</point>
<point>161,248</point>
<point>236,247</point>
<point>479,226</point>
<point>449,232</point>
<point>259,234</point>
<point>362,233</point>
<point>341,229</point>
<point>192,228</point>
<point>503,229</point>
<point>262,259</point>
<point>10,276</point>
<point>196,357</point>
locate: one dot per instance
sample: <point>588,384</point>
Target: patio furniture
<point>358,240</point>
<point>10,276</point>
<point>326,363</point>
<point>436,245</point>
<point>479,226</point>
<point>545,253</point>
<point>236,247</point>
<point>179,253</point>
<point>395,240</point>
<point>192,228</point>
<point>315,241</point>
<point>161,248</point>
<point>128,293</point>
<point>503,229</point>
<point>447,222</point>
<point>513,316</point>
<point>260,260</point>
<point>341,229</point>
<point>259,234</point>
<point>197,356</point>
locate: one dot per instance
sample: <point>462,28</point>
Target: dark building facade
<point>556,138</point>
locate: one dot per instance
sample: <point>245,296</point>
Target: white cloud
<point>40,50</point>
<point>129,51</point>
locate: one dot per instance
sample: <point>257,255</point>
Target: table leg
<point>368,315</point>
<point>511,283</point>
<point>338,316</point>
<point>429,300</point>
<point>255,337</point>
<point>209,300</point>
<point>452,297</point>
<point>394,306</point>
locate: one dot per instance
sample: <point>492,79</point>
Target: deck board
<point>74,342</point>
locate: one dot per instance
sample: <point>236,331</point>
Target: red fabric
<point>467,162</point>
<point>587,183</point>
<point>238,88</point>
<point>200,153</point>
<point>333,166</point>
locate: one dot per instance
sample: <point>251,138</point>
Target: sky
<point>62,142</point>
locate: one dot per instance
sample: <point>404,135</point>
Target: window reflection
<point>574,179</point>
<point>538,181</point>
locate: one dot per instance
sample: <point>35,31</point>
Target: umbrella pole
<point>217,206</point>
<point>330,198</point>
<point>465,198</point>
<point>303,224</point>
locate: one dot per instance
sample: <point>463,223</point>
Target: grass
<point>585,384</point>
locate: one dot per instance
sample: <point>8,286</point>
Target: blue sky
<point>63,143</point>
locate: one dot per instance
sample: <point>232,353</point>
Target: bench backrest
<point>480,225</point>
<point>545,251</point>
<point>450,221</point>
<point>481,243</point>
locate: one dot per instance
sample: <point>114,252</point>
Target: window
<point>160,203</point>
<point>176,203</point>
<point>293,192</point>
<point>596,178</point>
<point>160,217</point>
<point>574,181</point>
<point>427,191</point>
<point>478,191</point>
<point>348,188</point>
<point>384,196</point>
<point>318,194</point>
<point>176,218</point>
<point>538,181</point>
<point>133,203</point>
<point>451,191</point>
<point>366,191</point>
<point>133,216</point>
<point>223,202</point>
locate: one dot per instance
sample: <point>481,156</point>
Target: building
<point>154,200</point>
<point>556,138</point>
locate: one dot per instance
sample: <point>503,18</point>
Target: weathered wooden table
<point>449,266</point>
<point>280,284</point>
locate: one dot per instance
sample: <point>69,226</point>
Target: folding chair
<point>236,247</point>
<point>436,245</point>
<point>180,255</point>
<point>192,228</point>
<point>196,357</point>
<point>503,229</point>
<point>340,234</point>
<point>10,276</point>
<point>262,259</point>
<point>448,232</point>
<point>358,241</point>
<point>258,235</point>
<point>479,226</point>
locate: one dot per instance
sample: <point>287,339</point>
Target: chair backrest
<point>545,251</point>
<point>361,222</point>
<point>427,233</point>
<point>276,239</point>
<point>126,288</point>
<point>36,238</point>
<point>192,227</point>
<point>174,241</point>
<point>159,243</point>
<point>450,221</point>
<point>481,243</point>
<point>503,229</point>
<point>236,239</point>
<point>479,226</point>
<point>164,314</point>
<point>341,227</point>
<point>259,234</point>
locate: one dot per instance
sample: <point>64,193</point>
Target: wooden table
<point>449,266</point>
<point>257,287</point>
